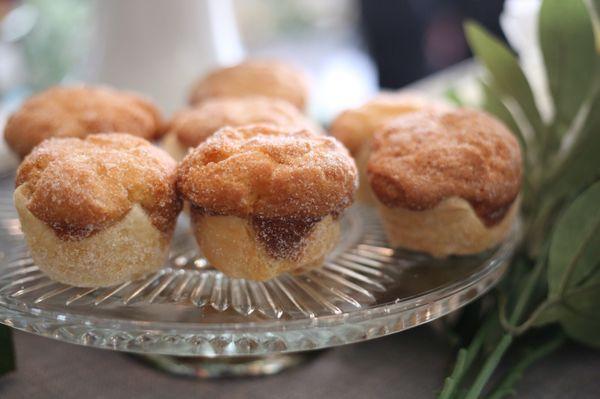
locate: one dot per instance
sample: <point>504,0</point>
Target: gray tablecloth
<point>407,365</point>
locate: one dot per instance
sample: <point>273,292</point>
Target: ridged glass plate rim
<point>494,264</point>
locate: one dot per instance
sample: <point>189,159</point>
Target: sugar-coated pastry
<point>77,111</point>
<point>355,127</point>
<point>192,126</point>
<point>269,78</point>
<point>446,183</point>
<point>266,199</point>
<point>97,211</point>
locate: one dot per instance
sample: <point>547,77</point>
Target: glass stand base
<point>207,367</point>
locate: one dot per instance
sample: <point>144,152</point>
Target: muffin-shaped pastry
<point>97,211</point>
<point>192,126</point>
<point>77,111</point>
<point>266,199</point>
<point>446,183</point>
<point>269,78</point>
<point>355,127</point>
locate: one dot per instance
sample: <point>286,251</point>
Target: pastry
<point>269,78</point>
<point>355,127</point>
<point>76,111</point>
<point>446,183</point>
<point>192,126</point>
<point>266,199</point>
<point>97,211</point>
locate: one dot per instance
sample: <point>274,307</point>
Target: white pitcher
<point>159,47</point>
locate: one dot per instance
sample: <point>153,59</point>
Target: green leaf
<point>595,14</point>
<point>575,247</point>
<point>568,47</point>
<point>7,357</point>
<point>550,315</point>
<point>581,327</point>
<point>581,166</point>
<point>586,298</point>
<point>493,104</point>
<point>505,71</point>
<point>574,267</point>
<point>583,301</point>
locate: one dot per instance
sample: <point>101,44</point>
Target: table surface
<point>406,365</point>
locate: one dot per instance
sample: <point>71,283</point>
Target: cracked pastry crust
<point>446,183</point>
<point>267,170</point>
<point>269,78</point>
<point>266,199</point>
<point>190,127</point>
<point>356,127</point>
<point>77,111</point>
<point>97,211</point>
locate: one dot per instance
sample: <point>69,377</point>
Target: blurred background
<point>350,48</point>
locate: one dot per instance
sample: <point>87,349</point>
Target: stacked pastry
<point>446,181</point>
<point>267,199</point>
<point>97,211</point>
<point>268,78</point>
<point>98,202</point>
<point>78,111</point>
<point>356,127</point>
<point>253,92</point>
<point>266,188</point>
<point>190,127</point>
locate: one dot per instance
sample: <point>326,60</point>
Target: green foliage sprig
<point>552,290</point>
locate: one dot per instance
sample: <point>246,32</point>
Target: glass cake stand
<point>188,318</point>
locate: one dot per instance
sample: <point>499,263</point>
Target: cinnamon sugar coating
<point>80,186</point>
<point>422,158</point>
<point>268,171</point>
<point>355,127</point>
<point>194,125</point>
<point>268,78</point>
<point>77,111</point>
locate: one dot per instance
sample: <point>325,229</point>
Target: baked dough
<point>446,183</point>
<point>190,127</point>
<point>267,199</point>
<point>355,127</point>
<point>262,77</point>
<point>77,111</point>
<point>97,211</point>
<point>232,246</point>
<point>450,228</point>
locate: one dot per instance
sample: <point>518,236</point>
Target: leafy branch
<point>552,290</point>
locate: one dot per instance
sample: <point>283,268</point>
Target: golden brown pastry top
<point>355,127</point>
<point>80,186</point>
<point>76,111</point>
<point>420,159</point>
<point>268,78</point>
<point>268,171</point>
<point>194,125</point>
